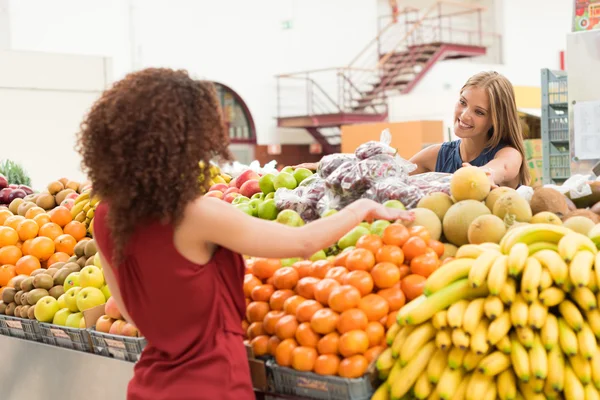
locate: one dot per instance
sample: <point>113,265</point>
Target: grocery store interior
<point>324,103</point>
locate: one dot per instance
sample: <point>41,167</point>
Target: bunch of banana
<point>216,175</point>
<point>519,320</point>
<point>84,209</point>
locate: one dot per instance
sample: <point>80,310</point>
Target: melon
<point>449,251</point>
<point>579,224</point>
<point>458,219</point>
<point>511,207</point>
<point>496,194</point>
<point>470,183</point>
<point>437,202</point>
<point>428,219</point>
<point>546,217</point>
<point>486,229</point>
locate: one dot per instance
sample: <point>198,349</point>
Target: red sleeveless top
<point>190,315</point>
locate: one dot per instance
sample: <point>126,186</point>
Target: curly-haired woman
<point>172,258</point>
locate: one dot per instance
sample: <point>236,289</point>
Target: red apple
<point>231,190</point>
<point>16,193</point>
<point>4,194</point>
<point>230,196</point>
<point>104,324</point>
<point>111,309</point>
<point>130,330</point>
<point>26,189</point>
<point>214,193</point>
<point>3,182</point>
<point>68,203</point>
<point>249,188</point>
<point>13,186</point>
<point>72,196</point>
<point>233,183</point>
<point>245,176</point>
<point>117,327</point>
<point>221,187</point>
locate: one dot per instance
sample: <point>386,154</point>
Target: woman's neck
<point>471,148</point>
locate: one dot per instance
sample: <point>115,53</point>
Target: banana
<point>494,364</point>
<point>479,342</point>
<point>532,296</point>
<point>400,339</point>
<point>436,365</point>
<point>392,333</point>
<point>491,393</point>
<point>456,313</point>
<point>508,291</point>
<point>415,341</point>
<point>595,364</point>
<point>82,197</point>
<point>507,385</point>
<point>519,312</point>
<point>456,357</point>
<point>77,208</point>
<point>552,296</point>
<point>493,307</point>
<point>538,359</point>
<point>528,391</point>
<point>591,393</point>
<point>570,244</point>
<point>443,339</point>
<point>539,246</point>
<point>580,268</point>
<point>423,387</point>
<point>537,314</point>
<point>447,274</point>
<point>461,391</point>
<point>478,386</point>
<point>556,265</point>
<point>87,207</point>
<point>593,319</point>
<point>586,342</point>
<point>481,267</point>
<point>490,246</point>
<point>525,336</point>
<point>532,233</point>
<point>385,361</point>
<point>532,274</point>
<point>409,308</point>
<point>433,396</point>
<point>90,213</point>
<point>472,360</point>
<point>80,217</point>
<point>556,375</point>
<point>517,258</point>
<point>94,201</point>
<point>504,345</point>
<point>549,332</point>
<point>460,339</point>
<point>412,370</point>
<point>567,286</point>
<point>571,314</point>
<point>473,315</point>
<point>593,285</point>
<point>585,298</point>
<point>498,328</point>
<point>382,392</point>
<point>549,392</point>
<point>537,385</point>
<point>594,234</point>
<point>440,319</point>
<point>546,279</point>
<point>582,368</point>
<point>449,382</point>
<point>469,251</point>
<point>567,338</point>
<point>395,372</point>
<point>597,266</point>
<point>497,275</point>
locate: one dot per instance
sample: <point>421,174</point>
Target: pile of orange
<point>330,316</point>
<point>36,240</point>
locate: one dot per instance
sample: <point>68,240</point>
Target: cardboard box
<point>258,371</point>
<point>533,149</point>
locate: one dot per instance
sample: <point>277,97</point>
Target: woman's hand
<point>488,171</point>
<point>311,166</point>
<point>369,210</point>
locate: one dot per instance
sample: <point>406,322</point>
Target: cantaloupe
<point>496,194</point>
<point>449,251</point>
<point>428,219</point>
<point>437,202</point>
<point>579,224</point>
<point>458,219</point>
<point>511,207</point>
<point>470,183</point>
<point>546,217</point>
<point>486,229</point>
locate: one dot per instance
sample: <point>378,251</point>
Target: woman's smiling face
<point>472,114</point>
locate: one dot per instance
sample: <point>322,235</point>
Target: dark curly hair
<point>142,142</point>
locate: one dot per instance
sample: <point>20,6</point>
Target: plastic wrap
<point>411,191</point>
<point>332,162</point>
<point>575,187</point>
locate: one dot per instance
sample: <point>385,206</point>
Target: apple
<point>290,218</point>
<point>112,310</point>
<point>74,320</point>
<point>240,199</point>
<point>301,174</point>
<point>82,324</point>
<point>250,188</point>
<point>89,297</point>
<point>258,196</point>
<point>233,183</point>
<point>13,186</point>
<point>16,193</point>
<point>91,276</point>
<point>71,298</point>
<point>287,170</point>
<point>61,301</point>
<point>377,227</point>
<point>284,180</point>
<point>319,255</point>
<point>328,213</point>
<point>230,196</point>
<point>4,195</point>
<point>71,281</point>
<point>26,189</point>
<point>267,210</point>
<point>72,196</point>
<point>130,330</point>
<point>245,176</point>
<point>231,190</point>
<point>60,318</point>
<point>270,196</point>
<point>266,183</point>
<point>68,203</point>
<point>365,225</point>
<point>3,182</point>
<point>46,308</point>
<point>394,204</point>
<point>254,203</point>
<point>221,187</point>
<point>245,207</point>
<point>288,262</point>
<point>117,327</point>
<point>106,292</point>
<point>97,261</point>
<point>104,323</point>
<point>214,193</point>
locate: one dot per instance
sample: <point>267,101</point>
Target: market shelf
<point>20,328</point>
<point>69,338</point>
<point>120,347</point>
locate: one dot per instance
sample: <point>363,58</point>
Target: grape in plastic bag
<point>332,162</point>
<point>373,148</point>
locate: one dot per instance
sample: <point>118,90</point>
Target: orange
<point>404,271</point>
<point>271,320</point>
<point>337,273</point>
<point>319,269</point>
<point>370,242</point>
<point>343,298</point>
<point>324,321</point>
<point>395,235</point>
<point>303,268</point>
<point>7,272</point>
<point>437,246</point>
<point>375,333</point>
<point>27,229</point>
<point>329,344</point>
<point>283,353</point>
<point>353,367</point>
<point>245,325</point>
<point>291,304</point>
<point>61,216</point>
<point>361,280</point>
<point>375,306</point>
<point>412,286</point>
<point>419,231</point>
<point>262,293</point>
<point>50,230</point>
<point>250,282</point>
<point>286,327</point>
<point>306,287</point>
<point>264,268</point>
<point>10,255</point>
<point>303,358</point>
<point>260,345</point>
<point>255,329</point>
<point>424,264</point>
<point>415,246</point>
<point>373,353</point>
<point>305,336</point>
<point>8,236</point>
<point>34,212</point>
<point>351,320</point>
<point>285,278</point>
<point>327,364</point>
<point>391,319</point>
<point>340,259</point>
<point>394,297</point>
<point>353,342</point>
<point>13,221</point>
<point>42,219</point>
<point>256,311</point>
<point>272,345</point>
<point>65,244</point>
<point>4,214</point>
<point>323,289</point>
<point>385,275</point>
<point>307,309</point>
<point>57,257</point>
<point>75,229</point>
<point>27,264</point>
<point>389,253</point>
<point>42,247</point>
<point>278,299</point>
<point>360,259</point>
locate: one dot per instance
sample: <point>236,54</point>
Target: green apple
<point>97,261</point>
<point>331,258</point>
<point>91,276</point>
<point>71,298</point>
<point>74,320</point>
<point>267,210</point>
<point>350,238</point>
<point>240,199</point>
<point>301,174</point>
<point>265,183</point>
<point>245,207</point>
<point>349,248</point>
<point>254,203</point>
<point>106,292</point>
<point>62,303</point>
<point>71,281</point>
<point>284,180</point>
<point>288,262</point>
<point>394,204</point>
<point>60,318</point>
<point>365,225</point>
<point>46,308</point>
<point>270,196</point>
<point>89,297</point>
<point>287,170</point>
<point>328,213</point>
<point>258,196</point>
<point>290,218</point>
<point>377,227</point>
<point>319,255</point>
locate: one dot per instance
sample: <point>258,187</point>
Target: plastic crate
<point>120,347</point>
<point>69,338</point>
<point>21,328</point>
<point>307,384</point>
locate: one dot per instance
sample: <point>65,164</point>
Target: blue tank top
<point>449,160</point>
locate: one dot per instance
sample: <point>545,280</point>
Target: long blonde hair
<point>506,126</point>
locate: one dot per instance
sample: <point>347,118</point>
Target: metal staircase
<point>392,63</point>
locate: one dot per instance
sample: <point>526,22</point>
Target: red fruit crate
<point>21,328</point>
<point>69,338</point>
<point>120,347</point>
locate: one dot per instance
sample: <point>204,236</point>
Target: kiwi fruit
<point>35,295</point>
<point>26,205</point>
<point>17,298</point>
<point>81,261</point>
<point>10,309</point>
<point>2,307</point>
<point>51,271</point>
<point>24,298</point>
<point>31,312</point>
<point>27,284</point>
<point>57,291</point>
<point>17,311</point>
<point>55,187</point>
<point>8,295</point>
<point>60,276</point>
<point>14,206</point>
<point>38,271</point>
<point>72,267</point>
<point>90,248</point>
<point>17,280</point>
<point>89,261</point>
<point>79,250</point>
<point>72,185</point>
<point>24,310</point>
<point>58,265</point>
<point>62,195</point>
<point>43,281</point>
<point>46,201</point>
